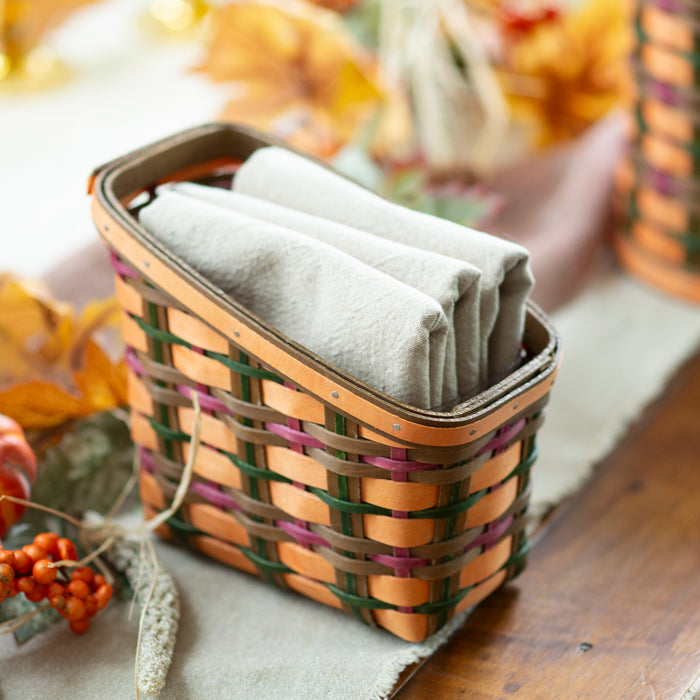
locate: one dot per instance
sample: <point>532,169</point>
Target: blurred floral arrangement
<point>420,100</point>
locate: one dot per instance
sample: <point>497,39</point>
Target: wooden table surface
<point>609,606</point>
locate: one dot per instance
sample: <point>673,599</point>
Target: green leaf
<point>19,605</point>
<point>87,469</point>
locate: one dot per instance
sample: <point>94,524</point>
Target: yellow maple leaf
<point>567,74</point>
<point>52,369</point>
<point>299,72</point>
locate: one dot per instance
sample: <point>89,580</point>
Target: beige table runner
<point>240,638</point>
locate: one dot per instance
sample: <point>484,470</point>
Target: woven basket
<point>306,476</point>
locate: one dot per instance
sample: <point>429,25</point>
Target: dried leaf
<point>53,370</point>
<point>300,74</point>
<point>566,75</point>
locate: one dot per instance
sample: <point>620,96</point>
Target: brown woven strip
<point>248,410</point>
<point>346,542</point>
<point>160,394</point>
<point>165,373</point>
<point>257,436</point>
<point>268,532</point>
<point>361,446</point>
<point>153,294</point>
<point>430,572</point>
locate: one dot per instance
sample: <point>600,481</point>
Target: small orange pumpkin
<point>17,470</point>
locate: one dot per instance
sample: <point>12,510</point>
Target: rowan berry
<point>84,573</point>
<point>58,603</point>
<point>48,541</point>
<point>75,609</point>
<point>7,575</point>
<point>79,589</point>
<point>26,584</point>
<point>91,606</point>
<point>38,593</point>
<point>7,556</point>
<point>98,580</point>
<point>103,595</point>
<point>80,626</point>
<point>34,552</point>
<point>55,589</point>
<point>43,572</point>
<point>66,549</point>
<point>23,562</point>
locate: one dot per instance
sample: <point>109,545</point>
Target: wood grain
<point>609,606</point>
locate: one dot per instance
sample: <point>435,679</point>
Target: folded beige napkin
<point>374,327</point>
<point>453,283</point>
<point>282,177</point>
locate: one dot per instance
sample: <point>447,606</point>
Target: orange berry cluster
<point>30,571</point>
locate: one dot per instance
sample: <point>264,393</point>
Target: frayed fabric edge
<point>412,654</point>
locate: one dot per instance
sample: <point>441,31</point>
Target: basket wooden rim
<point>194,151</point>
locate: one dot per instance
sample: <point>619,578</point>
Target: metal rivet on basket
<point>334,394</point>
<point>396,426</point>
<point>106,228</point>
<point>472,432</point>
<point>237,334</point>
<point>146,263</point>
<point>515,406</point>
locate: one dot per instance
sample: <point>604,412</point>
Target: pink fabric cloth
<point>558,206</point>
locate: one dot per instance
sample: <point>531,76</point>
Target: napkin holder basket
<point>305,476</point>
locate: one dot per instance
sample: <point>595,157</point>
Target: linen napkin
<point>285,178</point>
<point>453,283</point>
<point>363,321</point>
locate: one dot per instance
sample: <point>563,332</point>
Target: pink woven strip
<point>396,465</point>
<point>301,534</point>
<point>503,437</point>
<point>294,435</point>
<point>147,461</point>
<point>395,562</point>
<point>488,538</point>
<point>133,362</point>
<point>122,268</point>
<point>214,496</point>
<point>205,400</point>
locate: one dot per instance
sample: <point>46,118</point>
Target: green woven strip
<point>268,567</point>
<point>250,451</point>
<point>517,559</point>
<point>183,527</point>
<point>526,465</point>
<point>346,507</point>
<point>158,356</point>
<point>168,433</point>
<point>356,601</point>
<point>159,334</point>
<point>345,518</point>
<point>243,368</point>
<point>443,606</point>
<point>256,472</point>
<point>449,533</point>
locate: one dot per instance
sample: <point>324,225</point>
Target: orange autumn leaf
<point>52,369</point>
<point>567,74</point>
<point>298,72</point>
